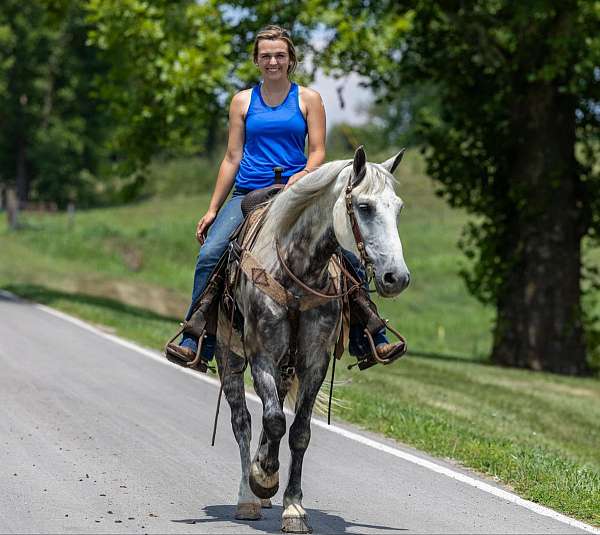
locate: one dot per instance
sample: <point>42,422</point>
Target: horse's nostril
<point>389,278</point>
<point>392,279</point>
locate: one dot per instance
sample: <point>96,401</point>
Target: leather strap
<point>316,293</point>
<point>358,238</point>
<point>267,284</point>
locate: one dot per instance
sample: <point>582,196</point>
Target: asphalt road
<point>100,436</point>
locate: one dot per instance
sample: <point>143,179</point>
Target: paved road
<point>100,437</point>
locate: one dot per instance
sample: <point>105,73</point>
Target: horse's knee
<point>274,424</point>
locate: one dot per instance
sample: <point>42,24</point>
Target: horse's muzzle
<point>392,283</point>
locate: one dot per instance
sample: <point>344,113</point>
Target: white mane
<point>329,179</point>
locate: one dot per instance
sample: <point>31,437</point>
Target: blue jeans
<point>217,241</point>
<point>358,345</point>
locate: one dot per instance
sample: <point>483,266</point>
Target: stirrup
<point>198,362</point>
<point>367,361</point>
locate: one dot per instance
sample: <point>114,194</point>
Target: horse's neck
<point>308,245</point>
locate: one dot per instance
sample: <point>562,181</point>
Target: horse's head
<point>370,196</point>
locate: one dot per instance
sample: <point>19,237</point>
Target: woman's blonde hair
<point>273,33</point>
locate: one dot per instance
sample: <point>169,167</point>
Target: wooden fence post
<point>12,208</point>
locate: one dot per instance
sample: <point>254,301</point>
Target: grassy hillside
<point>123,252</point>
<point>129,269</point>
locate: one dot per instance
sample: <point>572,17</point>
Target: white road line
<point>473,482</point>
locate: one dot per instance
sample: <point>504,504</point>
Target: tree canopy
<point>51,129</point>
<point>170,65</point>
<point>514,143</point>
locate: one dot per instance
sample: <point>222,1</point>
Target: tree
<point>169,73</point>
<point>174,66</point>
<point>514,143</point>
<point>50,128</point>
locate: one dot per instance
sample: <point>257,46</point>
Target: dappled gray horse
<point>309,222</point>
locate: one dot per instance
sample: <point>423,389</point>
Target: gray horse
<point>310,222</point>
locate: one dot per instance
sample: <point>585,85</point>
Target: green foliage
<point>51,130</point>
<point>478,56</point>
<point>174,66</point>
<point>169,73</point>
<point>517,89</point>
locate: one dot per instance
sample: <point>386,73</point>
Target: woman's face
<point>273,59</point>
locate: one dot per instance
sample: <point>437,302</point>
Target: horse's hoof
<point>266,504</point>
<point>262,485</point>
<point>295,520</point>
<point>248,511</point>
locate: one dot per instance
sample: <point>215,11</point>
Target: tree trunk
<point>539,324</point>
<point>12,209</point>
<point>21,171</point>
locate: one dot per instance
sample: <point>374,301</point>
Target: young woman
<point>268,127</point>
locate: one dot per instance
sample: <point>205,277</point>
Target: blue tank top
<point>275,136</point>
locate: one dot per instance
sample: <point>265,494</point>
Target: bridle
<point>358,238</point>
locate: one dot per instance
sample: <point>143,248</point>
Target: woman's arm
<point>315,119</point>
<point>229,165</point>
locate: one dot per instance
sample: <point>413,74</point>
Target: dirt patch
<point>163,301</point>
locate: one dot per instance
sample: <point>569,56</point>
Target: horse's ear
<point>394,161</point>
<point>359,165</point>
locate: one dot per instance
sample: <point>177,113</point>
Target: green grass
<point>129,269</point>
<point>535,432</point>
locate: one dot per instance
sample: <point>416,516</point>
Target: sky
<point>353,95</point>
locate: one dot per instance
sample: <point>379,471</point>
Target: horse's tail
<point>292,395</point>
<point>322,401</point>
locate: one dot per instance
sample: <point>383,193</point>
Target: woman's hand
<point>295,177</point>
<point>203,224</point>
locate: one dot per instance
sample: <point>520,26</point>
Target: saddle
<point>258,197</point>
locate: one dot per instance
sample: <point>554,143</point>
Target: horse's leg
<point>294,518</point>
<point>284,385</point>
<point>264,471</point>
<point>248,505</point>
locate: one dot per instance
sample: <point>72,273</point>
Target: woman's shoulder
<point>242,96</point>
<point>241,101</point>
<point>310,101</point>
<point>308,94</point>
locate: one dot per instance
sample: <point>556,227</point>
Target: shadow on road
<point>321,521</point>
<point>48,296</point>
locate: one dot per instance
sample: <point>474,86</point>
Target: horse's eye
<point>365,208</point>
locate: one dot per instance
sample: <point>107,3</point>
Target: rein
<point>358,240</point>
<point>307,288</point>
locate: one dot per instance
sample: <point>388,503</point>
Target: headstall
<point>358,238</point>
